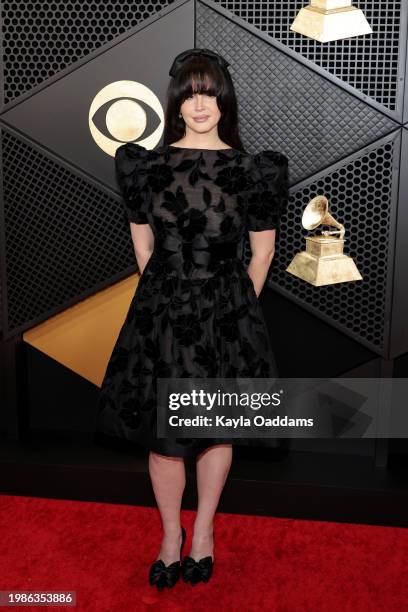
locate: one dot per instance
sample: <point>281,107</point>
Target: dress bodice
<point>200,203</point>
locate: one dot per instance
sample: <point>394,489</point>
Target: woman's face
<point>200,112</point>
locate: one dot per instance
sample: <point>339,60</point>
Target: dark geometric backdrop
<point>335,109</point>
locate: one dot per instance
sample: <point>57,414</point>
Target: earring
<point>180,116</point>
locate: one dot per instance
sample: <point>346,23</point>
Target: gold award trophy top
<point>323,262</point>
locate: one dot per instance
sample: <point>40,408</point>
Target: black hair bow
<point>181,57</point>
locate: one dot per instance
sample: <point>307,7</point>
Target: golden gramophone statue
<point>323,262</point>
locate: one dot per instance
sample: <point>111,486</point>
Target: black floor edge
<point>295,485</point>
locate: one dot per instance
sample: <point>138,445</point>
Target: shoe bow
<point>195,571</point>
<point>164,575</point>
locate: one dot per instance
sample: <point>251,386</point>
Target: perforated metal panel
<point>64,236</point>
<point>43,38</point>
<point>369,63</point>
<point>362,195</point>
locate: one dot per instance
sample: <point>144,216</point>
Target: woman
<point>190,204</point>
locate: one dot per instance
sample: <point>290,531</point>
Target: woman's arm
<point>263,250</point>
<point>143,243</point>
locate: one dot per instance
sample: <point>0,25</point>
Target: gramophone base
<point>320,271</point>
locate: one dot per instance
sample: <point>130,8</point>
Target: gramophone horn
<point>316,213</point>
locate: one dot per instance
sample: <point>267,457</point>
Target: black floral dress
<point>195,312</point>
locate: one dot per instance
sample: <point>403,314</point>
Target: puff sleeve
<point>268,190</point>
<point>132,165</point>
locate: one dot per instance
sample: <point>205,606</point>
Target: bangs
<point>199,81</point>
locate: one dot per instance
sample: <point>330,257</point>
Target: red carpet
<point>103,552</point>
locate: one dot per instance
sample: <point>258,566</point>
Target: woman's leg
<point>168,478</point>
<point>213,465</point>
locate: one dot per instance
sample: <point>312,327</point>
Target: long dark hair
<point>199,74</point>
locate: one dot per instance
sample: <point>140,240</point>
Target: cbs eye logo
<point>125,118</point>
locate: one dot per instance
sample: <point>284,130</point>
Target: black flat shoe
<point>197,571</point>
<point>163,575</point>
